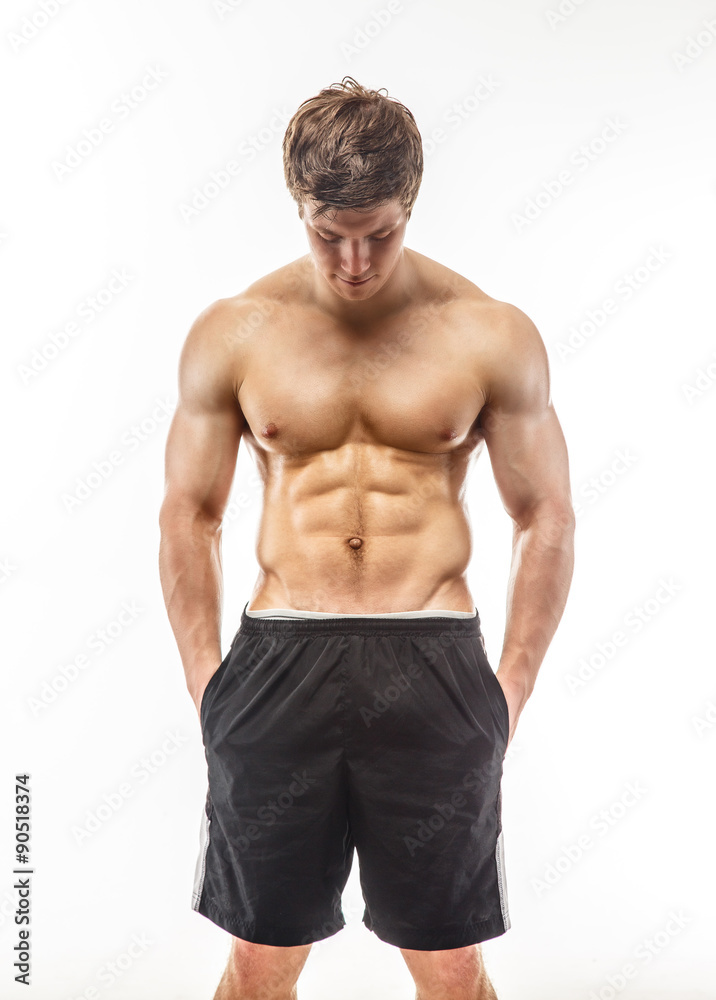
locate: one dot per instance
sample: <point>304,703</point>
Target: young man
<point>356,707</point>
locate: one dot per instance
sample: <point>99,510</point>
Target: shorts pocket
<point>498,694</point>
<point>213,681</point>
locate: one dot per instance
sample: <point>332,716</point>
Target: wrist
<point>197,676</point>
<point>519,684</point>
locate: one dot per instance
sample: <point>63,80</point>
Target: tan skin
<point>364,407</point>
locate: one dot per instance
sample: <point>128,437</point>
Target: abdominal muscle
<point>363,532</point>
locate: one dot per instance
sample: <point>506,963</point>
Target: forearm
<point>540,577</point>
<point>192,583</point>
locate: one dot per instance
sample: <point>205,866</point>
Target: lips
<point>355,282</point>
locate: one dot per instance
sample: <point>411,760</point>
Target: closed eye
<point>337,239</point>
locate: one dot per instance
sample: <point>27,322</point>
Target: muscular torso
<point>363,439</point>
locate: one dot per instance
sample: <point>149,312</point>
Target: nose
<point>354,259</point>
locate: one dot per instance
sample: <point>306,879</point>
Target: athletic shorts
<point>381,734</point>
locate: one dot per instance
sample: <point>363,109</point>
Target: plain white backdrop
<point>570,170</point>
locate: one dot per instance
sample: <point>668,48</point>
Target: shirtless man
<point>356,707</point>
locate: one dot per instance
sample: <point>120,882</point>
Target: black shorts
<point>387,735</point>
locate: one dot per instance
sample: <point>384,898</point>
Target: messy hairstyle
<point>352,148</point>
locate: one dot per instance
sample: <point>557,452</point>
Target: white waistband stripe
<point>289,613</point>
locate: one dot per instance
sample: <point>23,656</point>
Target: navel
<point>270,430</point>
<point>355,542</point>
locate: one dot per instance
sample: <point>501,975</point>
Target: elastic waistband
<point>360,626</point>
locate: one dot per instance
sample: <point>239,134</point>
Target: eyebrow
<point>383,229</point>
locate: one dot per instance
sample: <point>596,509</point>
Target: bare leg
<point>453,974</point>
<point>261,972</point>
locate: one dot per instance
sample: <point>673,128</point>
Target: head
<point>353,162</point>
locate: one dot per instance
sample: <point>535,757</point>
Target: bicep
<point>206,429</point>
<point>524,438</point>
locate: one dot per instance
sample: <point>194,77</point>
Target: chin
<point>350,292</point>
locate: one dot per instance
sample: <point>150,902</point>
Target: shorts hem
<point>447,938</point>
<point>275,935</point>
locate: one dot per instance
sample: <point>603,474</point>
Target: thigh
<point>277,848</point>
<point>425,802</point>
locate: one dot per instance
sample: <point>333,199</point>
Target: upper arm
<point>206,429</point>
<point>524,439</point>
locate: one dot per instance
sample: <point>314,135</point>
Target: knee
<point>265,972</point>
<point>457,974</point>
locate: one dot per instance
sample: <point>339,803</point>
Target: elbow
<point>178,517</point>
<point>554,521</point>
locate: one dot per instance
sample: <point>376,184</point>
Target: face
<point>356,252</point>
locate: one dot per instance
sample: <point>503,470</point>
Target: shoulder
<point>286,286</point>
<point>233,322</point>
<point>221,340</point>
<point>487,321</point>
<point>508,349</point>
<point>215,352</point>
<point>517,365</point>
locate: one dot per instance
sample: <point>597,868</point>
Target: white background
<point>645,719</point>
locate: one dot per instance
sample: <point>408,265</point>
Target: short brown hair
<point>352,148</point>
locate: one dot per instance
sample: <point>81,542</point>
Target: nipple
<point>270,430</point>
<point>355,543</point>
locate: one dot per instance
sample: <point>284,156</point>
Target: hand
<point>197,689</point>
<point>515,696</point>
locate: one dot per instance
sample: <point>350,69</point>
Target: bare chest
<point>415,387</point>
